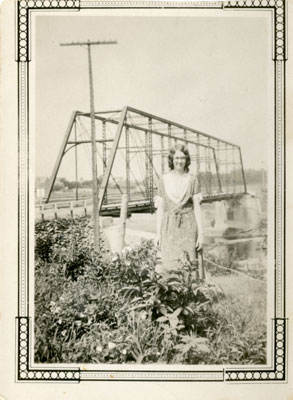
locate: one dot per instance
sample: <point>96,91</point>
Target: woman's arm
<point>160,212</point>
<point>198,217</point>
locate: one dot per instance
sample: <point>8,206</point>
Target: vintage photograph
<point>153,187</point>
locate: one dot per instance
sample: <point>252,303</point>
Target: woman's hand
<point>157,241</point>
<point>199,241</point>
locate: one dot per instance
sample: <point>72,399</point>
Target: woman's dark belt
<point>178,213</point>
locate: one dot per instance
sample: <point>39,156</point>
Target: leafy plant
<point>100,308</point>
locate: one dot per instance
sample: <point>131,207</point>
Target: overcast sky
<point>213,74</point>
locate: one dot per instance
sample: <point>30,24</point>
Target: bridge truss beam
<point>216,162</point>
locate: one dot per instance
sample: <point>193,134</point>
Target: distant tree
<point>89,183</point>
<point>71,185</point>
<point>63,180</point>
<point>58,186</point>
<point>86,184</point>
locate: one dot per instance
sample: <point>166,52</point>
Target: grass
<point>244,310</point>
<point>244,289</point>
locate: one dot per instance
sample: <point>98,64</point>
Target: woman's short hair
<point>172,151</point>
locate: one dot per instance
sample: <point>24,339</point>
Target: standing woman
<point>179,222</point>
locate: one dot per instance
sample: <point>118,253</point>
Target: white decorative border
<point>24,371</point>
<point>280,133</point>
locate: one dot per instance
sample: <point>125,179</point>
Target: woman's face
<point>179,160</point>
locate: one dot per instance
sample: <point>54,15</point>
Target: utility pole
<point>96,223</point>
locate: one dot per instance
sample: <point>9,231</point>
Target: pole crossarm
<point>89,43</point>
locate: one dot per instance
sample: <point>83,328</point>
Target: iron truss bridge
<point>132,150</point>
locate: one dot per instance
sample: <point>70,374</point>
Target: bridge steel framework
<point>139,149</point>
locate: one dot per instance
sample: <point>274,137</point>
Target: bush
<point>98,308</point>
